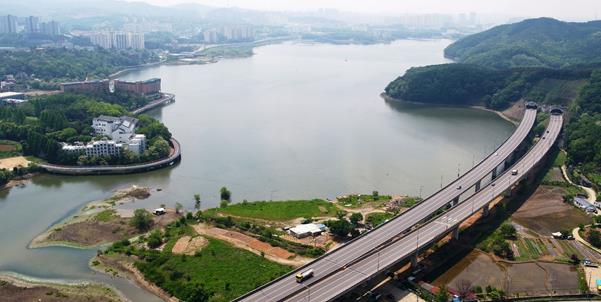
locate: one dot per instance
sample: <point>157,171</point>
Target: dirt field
<point>528,278</point>
<point>12,162</point>
<point>188,245</point>
<point>89,233</point>
<point>13,292</point>
<point>545,212</point>
<point>516,111</point>
<point>252,244</point>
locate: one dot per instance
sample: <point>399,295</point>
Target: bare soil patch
<point>188,245</point>
<point>89,233</point>
<point>516,111</point>
<point>12,162</point>
<point>545,212</point>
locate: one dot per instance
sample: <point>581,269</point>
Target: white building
<point>96,148</point>
<point>119,129</point>
<point>305,230</point>
<point>137,144</point>
<point>118,40</point>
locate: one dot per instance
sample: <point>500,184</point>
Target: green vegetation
<point>221,271</point>
<point>142,220</point>
<point>40,124</point>
<point>10,149</point>
<point>218,272</point>
<point>106,215</point>
<point>464,84</point>
<point>280,210</point>
<point>542,42</point>
<point>58,64</point>
<point>375,219</point>
<point>360,200</point>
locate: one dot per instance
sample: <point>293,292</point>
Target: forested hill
<point>542,42</point>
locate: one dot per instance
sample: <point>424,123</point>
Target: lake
<point>294,121</point>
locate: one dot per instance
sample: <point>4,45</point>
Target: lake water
<point>294,121</point>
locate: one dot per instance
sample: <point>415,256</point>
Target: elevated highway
<point>330,264</point>
<point>382,258</point>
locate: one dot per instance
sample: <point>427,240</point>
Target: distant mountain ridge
<point>542,42</point>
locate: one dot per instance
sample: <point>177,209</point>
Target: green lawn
<point>280,210</point>
<point>218,268</point>
<point>560,159</point>
<point>375,219</point>
<point>106,215</point>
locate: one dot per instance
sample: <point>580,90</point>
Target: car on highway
<point>302,276</point>
<point>514,172</point>
<point>459,187</point>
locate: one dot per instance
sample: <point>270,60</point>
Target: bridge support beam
<point>414,260</point>
<point>486,210</point>
<point>455,201</point>
<point>507,192</point>
<point>494,173</point>
<point>456,233</point>
<point>478,185</point>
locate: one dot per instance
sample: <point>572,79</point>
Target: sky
<point>561,9</point>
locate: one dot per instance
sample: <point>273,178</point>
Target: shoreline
<point>502,115</point>
<point>98,289</point>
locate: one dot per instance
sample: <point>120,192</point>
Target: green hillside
<point>542,42</point>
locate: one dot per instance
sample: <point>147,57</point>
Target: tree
<point>196,201</point>
<point>225,194</point>
<point>155,239</point>
<point>142,220</point>
<point>178,207</point>
<point>340,228</point>
<point>340,214</point>
<point>443,295</point>
<point>594,237</point>
<point>356,218</point>
<point>375,195</point>
<point>508,230</point>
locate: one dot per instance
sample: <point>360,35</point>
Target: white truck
<point>302,276</point>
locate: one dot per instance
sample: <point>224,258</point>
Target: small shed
<point>584,204</point>
<point>305,230</point>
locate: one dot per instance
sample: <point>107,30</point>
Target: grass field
<point>280,210</point>
<point>218,268</point>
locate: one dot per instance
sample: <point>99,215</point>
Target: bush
<point>155,239</point>
<point>142,220</point>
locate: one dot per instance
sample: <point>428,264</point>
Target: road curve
<point>173,157</point>
<point>330,263</point>
<point>379,260</point>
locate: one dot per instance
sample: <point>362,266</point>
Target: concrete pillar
<point>485,210</point>
<point>494,173</point>
<point>455,201</point>
<point>456,233</point>
<point>507,192</point>
<point>478,185</point>
<point>414,260</point>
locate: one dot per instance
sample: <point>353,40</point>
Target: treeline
<point>40,124</point>
<point>468,84</point>
<point>70,64</point>
<point>542,42</point>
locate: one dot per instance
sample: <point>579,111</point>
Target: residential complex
<point>150,87</point>
<point>119,133</point>
<point>118,40</point>
<point>10,24</point>
<point>229,34</point>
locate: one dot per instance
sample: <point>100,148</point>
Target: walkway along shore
<point>164,99</point>
<point>174,157</point>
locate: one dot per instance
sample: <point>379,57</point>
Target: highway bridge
<point>335,273</point>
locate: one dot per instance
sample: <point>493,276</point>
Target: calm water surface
<point>293,121</point>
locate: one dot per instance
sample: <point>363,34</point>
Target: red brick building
<point>86,87</point>
<point>148,87</point>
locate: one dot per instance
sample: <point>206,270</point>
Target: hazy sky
<point>564,9</point>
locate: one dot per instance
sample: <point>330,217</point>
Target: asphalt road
<point>286,286</point>
<point>380,260</point>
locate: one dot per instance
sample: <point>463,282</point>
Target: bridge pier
<point>478,185</point>
<point>455,201</point>
<point>486,210</point>
<point>494,173</point>
<point>414,260</point>
<point>456,233</point>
